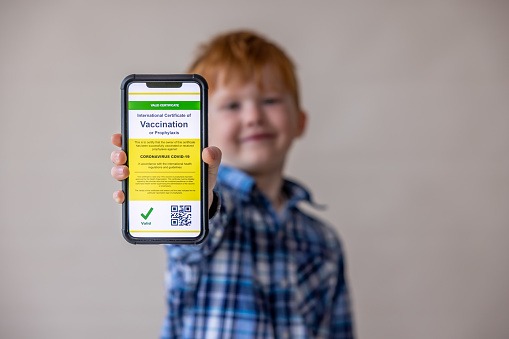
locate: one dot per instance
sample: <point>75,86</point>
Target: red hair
<point>242,55</point>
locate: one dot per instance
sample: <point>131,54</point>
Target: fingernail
<point>213,154</point>
<point>120,170</point>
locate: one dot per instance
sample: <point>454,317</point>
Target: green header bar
<point>164,105</point>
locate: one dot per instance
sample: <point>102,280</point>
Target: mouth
<point>258,137</point>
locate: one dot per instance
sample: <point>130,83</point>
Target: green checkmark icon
<point>145,216</point>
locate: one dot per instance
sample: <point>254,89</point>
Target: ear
<point>301,123</point>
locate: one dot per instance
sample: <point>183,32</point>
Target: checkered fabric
<point>261,273</point>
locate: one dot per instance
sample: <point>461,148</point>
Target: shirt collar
<point>244,185</point>
<point>239,181</point>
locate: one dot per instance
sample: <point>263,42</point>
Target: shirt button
<point>283,283</point>
<point>284,334</point>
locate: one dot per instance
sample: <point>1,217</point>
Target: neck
<point>271,186</point>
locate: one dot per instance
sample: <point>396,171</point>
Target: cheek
<point>222,132</point>
<point>285,123</point>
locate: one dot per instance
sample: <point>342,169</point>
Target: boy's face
<point>254,127</point>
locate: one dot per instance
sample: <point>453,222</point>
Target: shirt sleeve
<point>183,270</point>
<point>336,322</point>
<point>341,319</point>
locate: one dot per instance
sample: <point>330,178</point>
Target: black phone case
<point>204,169</point>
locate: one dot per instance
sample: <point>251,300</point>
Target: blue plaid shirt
<point>260,273</point>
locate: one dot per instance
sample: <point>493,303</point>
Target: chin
<point>255,162</point>
<point>259,167</point>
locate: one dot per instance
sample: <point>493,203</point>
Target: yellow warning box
<point>164,169</point>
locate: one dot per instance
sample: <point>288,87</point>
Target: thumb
<point>212,157</point>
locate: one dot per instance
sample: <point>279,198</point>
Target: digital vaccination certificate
<point>164,157</point>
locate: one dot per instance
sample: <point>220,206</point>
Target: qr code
<point>180,215</point>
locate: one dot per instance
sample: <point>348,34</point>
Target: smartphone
<point>164,130</point>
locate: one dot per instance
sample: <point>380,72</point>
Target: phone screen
<point>164,125</point>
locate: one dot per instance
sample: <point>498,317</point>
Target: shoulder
<point>318,235</point>
<point>318,255</point>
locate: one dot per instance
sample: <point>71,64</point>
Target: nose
<point>253,115</point>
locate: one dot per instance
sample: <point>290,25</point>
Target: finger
<point>118,157</point>
<point>212,156</point>
<point>120,172</point>
<point>116,139</point>
<point>118,196</point>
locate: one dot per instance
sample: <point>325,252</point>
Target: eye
<point>271,101</point>
<point>232,106</point>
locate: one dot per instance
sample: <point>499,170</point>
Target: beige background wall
<point>408,146</point>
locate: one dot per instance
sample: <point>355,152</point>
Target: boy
<point>266,270</point>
